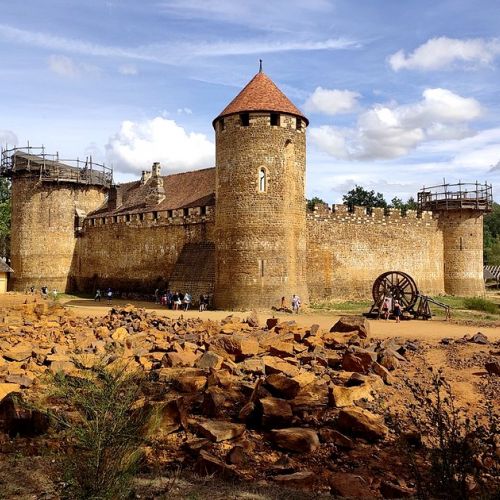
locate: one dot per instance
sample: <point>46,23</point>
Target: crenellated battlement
<point>180,216</point>
<point>362,215</point>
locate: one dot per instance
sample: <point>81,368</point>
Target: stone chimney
<point>115,197</point>
<point>145,176</point>
<point>156,191</point>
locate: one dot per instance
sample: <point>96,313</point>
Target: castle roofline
<point>261,94</point>
<point>182,190</point>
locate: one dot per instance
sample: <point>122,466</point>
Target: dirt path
<point>432,331</point>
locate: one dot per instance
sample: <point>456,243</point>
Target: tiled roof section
<point>184,190</point>
<point>261,94</point>
<point>5,268</point>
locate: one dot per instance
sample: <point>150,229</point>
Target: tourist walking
<point>295,303</point>
<point>109,295</point>
<point>386,307</point>
<point>187,300</point>
<point>397,311</point>
<point>97,297</point>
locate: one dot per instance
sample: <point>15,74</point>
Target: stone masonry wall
<point>463,252</point>
<point>44,229</point>
<point>347,251</point>
<point>260,236</point>
<point>136,255</point>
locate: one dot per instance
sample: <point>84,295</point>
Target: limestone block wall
<point>136,252</point>
<point>260,236</point>
<point>346,251</point>
<point>463,252</point>
<point>44,229</point>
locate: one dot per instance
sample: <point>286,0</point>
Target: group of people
<point>388,306</point>
<point>98,295</point>
<point>173,300</point>
<point>44,291</point>
<point>296,303</point>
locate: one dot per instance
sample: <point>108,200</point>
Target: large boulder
<point>346,396</point>
<point>275,412</point>
<point>17,419</point>
<point>282,386</point>
<point>296,439</point>
<point>362,423</point>
<point>218,430</point>
<point>357,324</point>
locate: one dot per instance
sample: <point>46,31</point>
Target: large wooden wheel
<point>398,285</point>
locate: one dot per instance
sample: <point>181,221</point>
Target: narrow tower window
<point>262,265</point>
<point>275,119</point>
<point>461,243</point>
<point>245,119</point>
<point>262,180</point>
<point>222,125</point>
<point>298,123</point>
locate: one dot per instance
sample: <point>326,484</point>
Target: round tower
<point>49,202</point>
<point>260,218</point>
<point>460,208</point>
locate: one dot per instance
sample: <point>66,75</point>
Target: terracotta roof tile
<point>261,94</point>
<point>184,190</point>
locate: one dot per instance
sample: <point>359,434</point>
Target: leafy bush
<point>104,430</point>
<point>480,304</point>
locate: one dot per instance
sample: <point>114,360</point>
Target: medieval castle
<point>240,230</point>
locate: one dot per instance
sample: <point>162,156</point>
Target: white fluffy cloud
<point>331,102</point>
<point>444,52</point>
<point>8,138</point>
<point>385,131</point>
<point>68,68</point>
<point>138,144</point>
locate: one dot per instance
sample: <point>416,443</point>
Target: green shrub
<point>480,304</point>
<point>104,431</point>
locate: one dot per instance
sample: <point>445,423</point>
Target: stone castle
<point>239,231</point>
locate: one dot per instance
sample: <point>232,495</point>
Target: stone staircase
<point>194,271</point>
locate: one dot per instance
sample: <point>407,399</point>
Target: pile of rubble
<point>278,402</point>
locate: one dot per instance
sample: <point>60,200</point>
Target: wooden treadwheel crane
<point>397,285</point>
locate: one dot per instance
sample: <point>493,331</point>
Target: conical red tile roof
<point>261,94</point>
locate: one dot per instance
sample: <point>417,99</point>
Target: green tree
<point>360,197</point>
<point>5,216</point>
<point>492,236</point>
<point>410,204</point>
<point>313,202</point>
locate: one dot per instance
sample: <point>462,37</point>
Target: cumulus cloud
<point>8,138</point>
<point>443,52</point>
<point>138,144</point>
<point>391,131</point>
<point>331,101</point>
<point>66,67</point>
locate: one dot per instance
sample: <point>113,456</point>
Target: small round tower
<point>260,219</point>
<point>460,209</point>
<point>50,198</point>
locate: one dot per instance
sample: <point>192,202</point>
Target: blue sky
<point>399,93</point>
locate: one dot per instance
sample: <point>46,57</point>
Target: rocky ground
<point>265,404</point>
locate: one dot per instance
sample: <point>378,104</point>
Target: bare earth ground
<point>463,365</point>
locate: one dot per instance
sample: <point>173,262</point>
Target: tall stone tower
<point>50,199</point>
<point>460,208</point>
<point>260,219</point>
